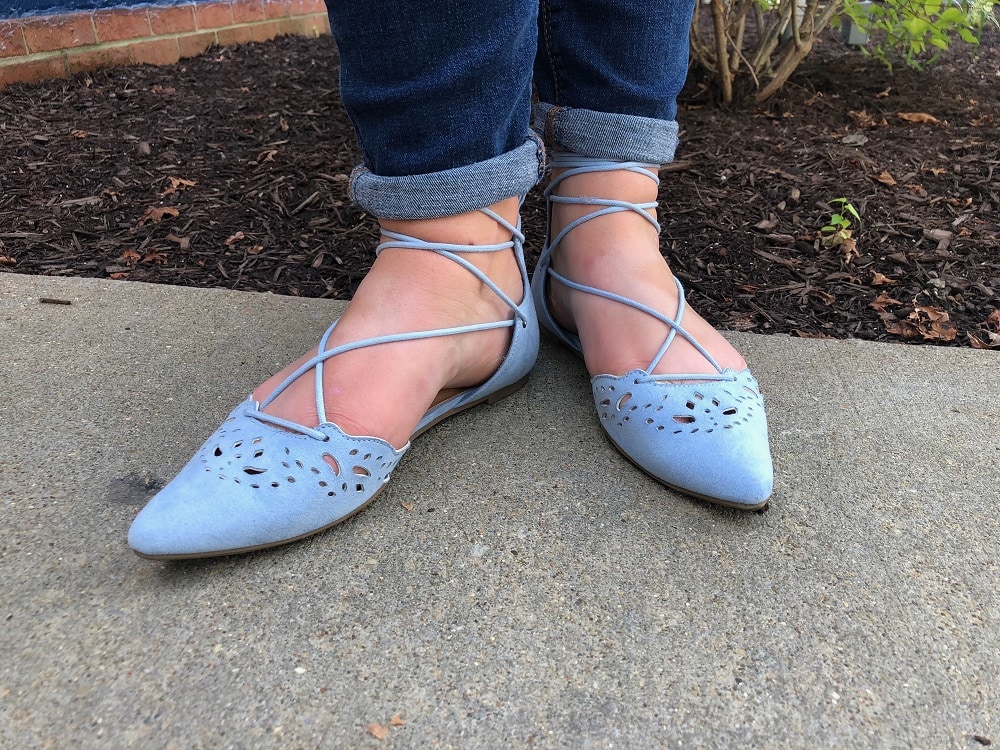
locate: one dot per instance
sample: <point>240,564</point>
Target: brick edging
<point>57,46</point>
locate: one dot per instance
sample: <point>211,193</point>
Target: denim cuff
<point>604,135</point>
<point>451,191</point>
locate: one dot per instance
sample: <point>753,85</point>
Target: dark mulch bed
<point>230,170</point>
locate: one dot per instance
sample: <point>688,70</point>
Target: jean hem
<point>451,191</point>
<point>605,135</point>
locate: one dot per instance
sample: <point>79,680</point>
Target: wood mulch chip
<point>231,170</point>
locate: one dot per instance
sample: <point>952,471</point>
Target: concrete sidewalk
<point>540,593</point>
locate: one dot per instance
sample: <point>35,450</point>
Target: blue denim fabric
<point>439,92</point>
<point>604,135</point>
<point>450,191</point>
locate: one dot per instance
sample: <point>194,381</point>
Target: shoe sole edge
<point>761,506</point>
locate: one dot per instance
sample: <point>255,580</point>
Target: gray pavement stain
<point>133,489</point>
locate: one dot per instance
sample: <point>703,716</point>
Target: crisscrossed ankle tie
<point>576,165</point>
<point>404,241</point>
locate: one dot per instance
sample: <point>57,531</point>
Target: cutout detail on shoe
<point>333,463</point>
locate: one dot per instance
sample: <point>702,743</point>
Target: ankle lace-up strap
<point>577,165</point>
<point>404,241</point>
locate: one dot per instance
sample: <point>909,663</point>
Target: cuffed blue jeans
<point>440,93</point>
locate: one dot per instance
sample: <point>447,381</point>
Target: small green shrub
<point>916,31</point>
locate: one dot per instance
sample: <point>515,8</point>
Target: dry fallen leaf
<point>849,249</point>
<point>885,178</point>
<point>154,257</point>
<point>407,506</point>
<point>992,340</point>
<point>883,301</point>
<point>879,279</point>
<point>929,323</point>
<point>864,120</point>
<point>81,134</point>
<point>993,320</point>
<point>268,155</point>
<point>378,731</point>
<point>884,93</point>
<point>234,238</point>
<point>918,117</point>
<point>397,721</point>
<point>6,260</point>
<point>155,214</point>
<point>177,184</point>
<point>129,256</point>
<point>936,171</point>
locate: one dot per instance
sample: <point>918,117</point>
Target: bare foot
<point>620,253</point>
<point>384,390</point>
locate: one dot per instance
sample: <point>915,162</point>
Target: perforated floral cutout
<point>261,457</point>
<point>667,407</point>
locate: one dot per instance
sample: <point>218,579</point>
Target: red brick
<point>94,59</point>
<point>263,32</point>
<point>174,20</point>
<point>317,6</point>
<point>234,35</point>
<point>35,70</point>
<point>119,24</point>
<point>11,40</point>
<point>254,32</point>
<point>191,45</point>
<point>155,52</point>
<point>246,11</point>
<point>278,8</point>
<point>213,15</point>
<point>47,33</point>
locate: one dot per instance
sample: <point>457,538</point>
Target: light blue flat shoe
<point>704,435</point>
<point>260,481</point>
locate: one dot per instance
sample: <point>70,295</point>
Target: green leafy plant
<point>755,45</point>
<point>916,31</point>
<point>838,231</point>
